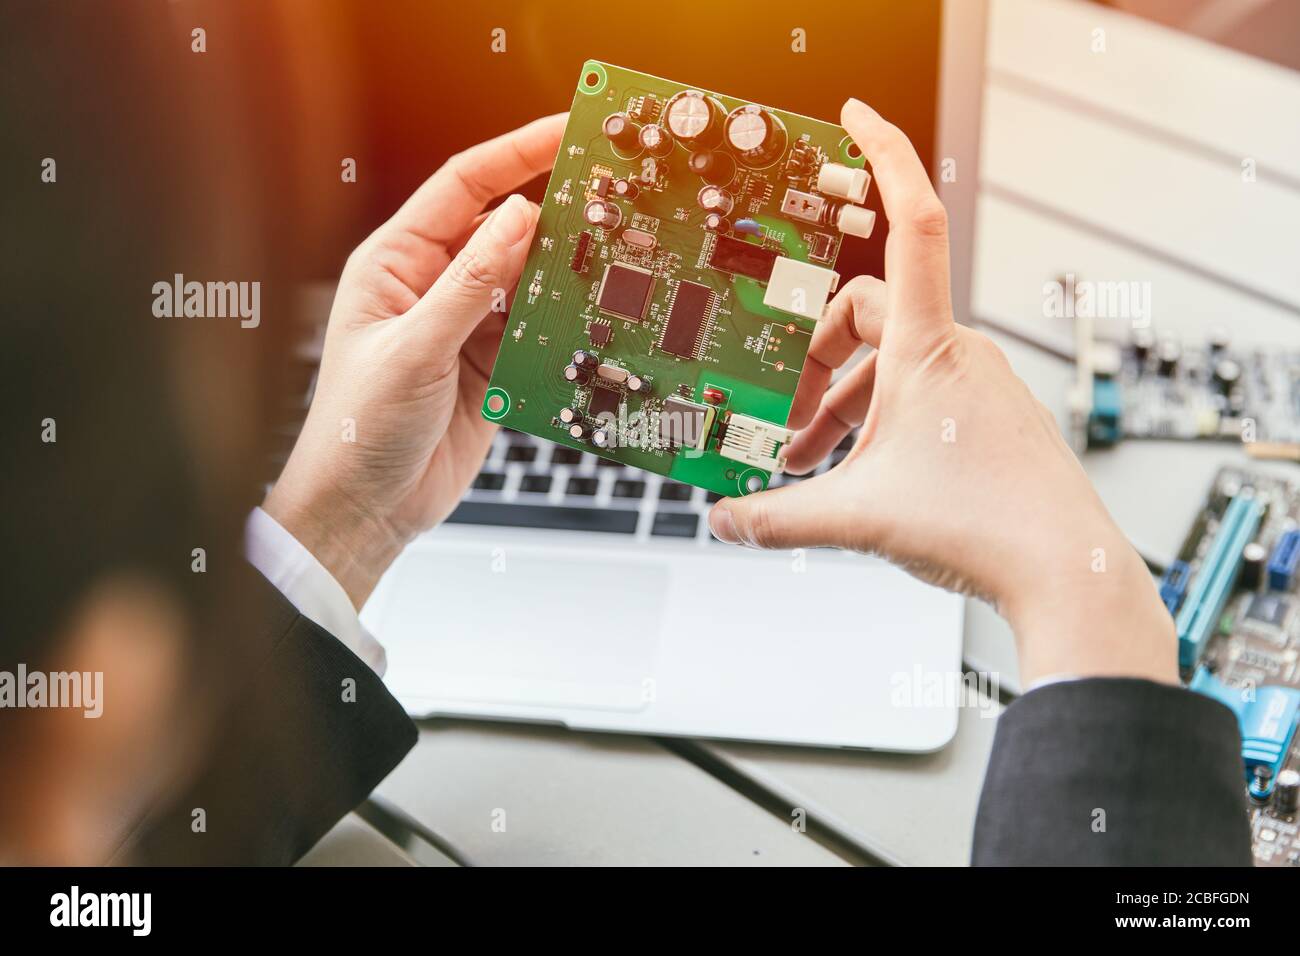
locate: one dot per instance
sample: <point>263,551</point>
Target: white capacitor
<point>855,221</point>
<point>843,182</point>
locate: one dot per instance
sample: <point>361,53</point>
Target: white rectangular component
<point>755,442</point>
<point>800,288</point>
<point>843,182</point>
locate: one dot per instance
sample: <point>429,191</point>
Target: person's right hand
<point>959,474</point>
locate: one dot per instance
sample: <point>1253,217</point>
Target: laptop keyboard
<point>530,483</point>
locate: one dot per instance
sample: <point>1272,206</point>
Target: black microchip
<point>602,186</point>
<point>600,334</point>
<point>604,401</point>
<point>743,258</point>
<point>625,291</point>
<point>690,308</point>
<point>1268,608</point>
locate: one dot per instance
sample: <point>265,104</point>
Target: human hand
<point>959,475</point>
<point>394,435</point>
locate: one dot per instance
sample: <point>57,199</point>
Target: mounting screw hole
<point>854,150</point>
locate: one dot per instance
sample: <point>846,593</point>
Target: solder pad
<point>658,304</point>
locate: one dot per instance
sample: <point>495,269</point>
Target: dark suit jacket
<point>295,748</point>
<point>1113,771</point>
<point>302,735</point>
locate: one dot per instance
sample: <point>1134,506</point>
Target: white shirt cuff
<point>308,586</point>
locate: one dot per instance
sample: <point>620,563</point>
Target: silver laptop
<point>572,590</point>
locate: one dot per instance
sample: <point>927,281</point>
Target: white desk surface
<point>572,798</point>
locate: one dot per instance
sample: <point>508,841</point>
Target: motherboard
<point>684,254</point>
<point>1234,596</point>
<point>1153,387</point>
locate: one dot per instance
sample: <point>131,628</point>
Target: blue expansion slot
<point>1105,422</point>
<point>1218,575</point>
<point>1282,565</point>
<point>1267,717</point>
<point>1173,586</point>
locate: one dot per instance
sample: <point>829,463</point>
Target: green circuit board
<point>684,254</point>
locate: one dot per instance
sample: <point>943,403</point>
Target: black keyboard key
<point>847,442</point>
<point>610,520</point>
<point>489,481</point>
<point>675,491</point>
<point>678,524</point>
<point>629,488</point>
<point>581,486</point>
<point>540,484</point>
<point>521,453</point>
<point>712,496</point>
<point>565,456</point>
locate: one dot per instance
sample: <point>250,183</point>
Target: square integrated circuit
<point>683,257</point>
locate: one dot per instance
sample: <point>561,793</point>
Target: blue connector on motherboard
<point>1282,565</point>
<point>1105,422</point>
<point>1173,586</point>
<point>1267,717</point>
<point>1217,577</point>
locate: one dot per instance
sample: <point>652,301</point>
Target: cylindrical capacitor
<point>579,376</point>
<point>717,223</point>
<point>1287,791</point>
<point>1167,355</point>
<point>568,416</point>
<point>715,199</point>
<point>713,167</point>
<point>584,359</point>
<point>655,140</point>
<point>1143,340</point>
<point>626,189</point>
<point>695,119</point>
<point>622,133</point>
<point>1227,374</point>
<point>604,214</point>
<point>635,384</point>
<point>600,438</point>
<point>756,136</point>
<point>579,431</point>
<point>855,221</point>
<point>1259,788</point>
<point>1253,556</point>
<point>1218,339</point>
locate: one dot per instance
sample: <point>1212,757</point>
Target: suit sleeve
<point>299,741</point>
<point>1113,772</point>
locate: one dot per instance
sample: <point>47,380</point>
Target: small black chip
<point>600,334</point>
<point>743,258</point>
<point>1269,609</point>
<point>625,291</point>
<point>604,401</point>
<point>691,306</point>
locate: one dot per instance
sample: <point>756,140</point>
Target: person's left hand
<point>395,435</point>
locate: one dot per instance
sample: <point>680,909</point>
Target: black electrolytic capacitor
<point>1253,556</point>
<point>655,140</point>
<point>579,376</point>
<point>1286,792</point>
<point>584,359</point>
<point>715,168</point>
<point>1167,356</point>
<point>570,415</point>
<point>622,132</point>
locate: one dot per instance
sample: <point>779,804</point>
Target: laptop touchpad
<point>547,627</point>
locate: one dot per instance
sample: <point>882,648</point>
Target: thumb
<point>807,514</point>
<point>478,279</point>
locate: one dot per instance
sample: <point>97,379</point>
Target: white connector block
<point>800,288</point>
<point>755,442</point>
<point>843,182</point>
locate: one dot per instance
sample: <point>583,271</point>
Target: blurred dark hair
<point>155,419</point>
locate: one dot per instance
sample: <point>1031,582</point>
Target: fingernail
<point>510,221</point>
<point>723,525</point>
